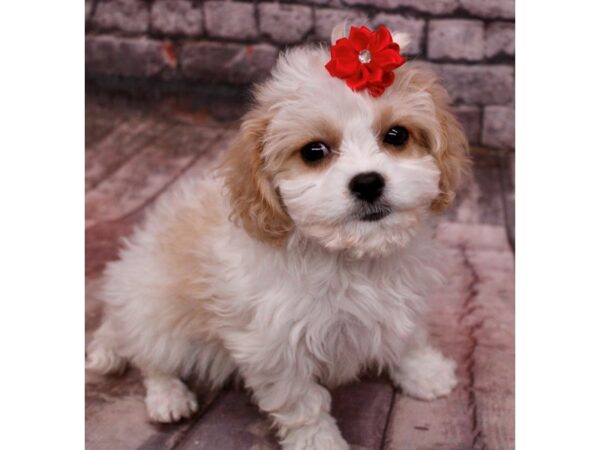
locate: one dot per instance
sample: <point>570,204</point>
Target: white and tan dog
<point>304,261</point>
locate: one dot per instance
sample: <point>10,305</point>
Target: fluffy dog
<point>303,261</point>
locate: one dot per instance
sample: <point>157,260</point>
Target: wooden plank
<point>209,161</point>
<point>148,172</point>
<point>443,424</point>
<point>234,422</point>
<point>103,114</point>
<point>102,240</point>
<point>126,140</point>
<point>361,410</point>
<point>472,321</point>
<point>116,418</point>
<point>481,236</point>
<point>100,120</point>
<point>507,180</point>
<point>97,127</point>
<point>493,356</point>
<point>93,306</point>
<point>117,425</point>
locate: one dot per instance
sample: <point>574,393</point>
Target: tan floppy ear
<point>255,202</point>
<point>451,150</point>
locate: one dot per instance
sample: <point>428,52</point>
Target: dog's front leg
<point>282,383</point>
<point>419,369</point>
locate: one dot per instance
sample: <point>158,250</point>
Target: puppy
<point>304,260</point>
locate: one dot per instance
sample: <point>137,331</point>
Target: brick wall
<point>470,43</point>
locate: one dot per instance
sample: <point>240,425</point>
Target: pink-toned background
<point>166,83</point>
<point>183,46</point>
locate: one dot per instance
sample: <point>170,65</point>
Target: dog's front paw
<point>169,400</point>
<point>323,435</point>
<point>426,374</point>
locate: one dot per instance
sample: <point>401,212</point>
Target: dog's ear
<point>446,139</point>
<point>256,204</point>
<point>450,149</point>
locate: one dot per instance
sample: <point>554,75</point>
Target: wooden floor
<point>135,152</point>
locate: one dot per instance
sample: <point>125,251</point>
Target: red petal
<point>393,46</point>
<point>343,48</point>
<point>344,60</point>
<point>343,67</point>
<point>359,80</point>
<point>376,90</point>
<point>375,73</point>
<point>330,66</point>
<point>359,37</point>
<point>387,59</point>
<point>380,39</point>
<point>388,79</point>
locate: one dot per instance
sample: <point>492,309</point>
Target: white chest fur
<point>343,314</point>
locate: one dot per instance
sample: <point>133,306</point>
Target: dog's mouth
<point>373,213</point>
<point>374,217</point>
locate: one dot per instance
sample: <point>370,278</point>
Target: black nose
<point>367,186</point>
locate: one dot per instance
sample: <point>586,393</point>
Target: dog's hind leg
<point>102,356</point>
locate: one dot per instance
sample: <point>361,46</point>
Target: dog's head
<point>350,171</point>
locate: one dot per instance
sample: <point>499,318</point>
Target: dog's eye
<point>396,136</point>
<point>314,152</point>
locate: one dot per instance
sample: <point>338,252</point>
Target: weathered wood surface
<point>136,153</point>
<point>472,320</point>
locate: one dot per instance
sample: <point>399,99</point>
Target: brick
<point>89,6</point>
<point>414,27</point>
<point>230,63</point>
<point>176,17</point>
<point>286,24</point>
<point>490,9</point>
<point>130,57</point>
<point>470,118</point>
<point>327,19</point>
<point>500,39</point>
<point>427,6</point>
<point>456,39</point>
<point>129,16</point>
<point>234,20</point>
<point>478,85</point>
<point>499,126</point>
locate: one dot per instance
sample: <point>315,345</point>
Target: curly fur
<point>265,270</point>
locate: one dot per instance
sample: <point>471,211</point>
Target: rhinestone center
<point>364,56</point>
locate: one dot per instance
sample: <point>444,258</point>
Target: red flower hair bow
<point>366,59</point>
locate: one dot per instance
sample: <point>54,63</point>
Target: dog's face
<point>352,172</point>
